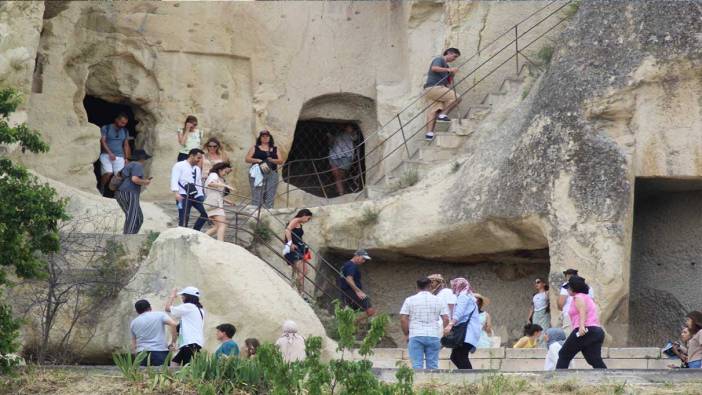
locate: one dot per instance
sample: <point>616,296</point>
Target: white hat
<point>190,291</point>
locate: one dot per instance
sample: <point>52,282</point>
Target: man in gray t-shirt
<point>149,334</point>
<point>114,148</point>
<point>440,97</point>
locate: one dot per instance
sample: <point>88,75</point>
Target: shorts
<point>343,163</point>
<point>186,353</point>
<point>438,96</point>
<point>110,166</point>
<point>297,255</point>
<point>351,300</point>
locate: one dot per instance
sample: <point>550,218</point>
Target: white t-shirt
<point>423,310</point>
<point>569,299</point>
<point>446,296</point>
<point>540,301</point>
<point>192,324</point>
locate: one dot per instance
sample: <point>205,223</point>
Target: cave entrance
<point>506,278</point>
<point>665,258</point>
<point>308,166</point>
<point>101,112</point>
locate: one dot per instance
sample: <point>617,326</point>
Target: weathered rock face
<point>236,287</point>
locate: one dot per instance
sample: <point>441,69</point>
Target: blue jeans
<point>184,207</point>
<point>421,346</point>
<point>695,364</point>
<point>155,358</point>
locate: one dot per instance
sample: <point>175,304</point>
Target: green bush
<point>369,217</point>
<point>9,327</point>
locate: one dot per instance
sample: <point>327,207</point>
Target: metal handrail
<point>400,129</point>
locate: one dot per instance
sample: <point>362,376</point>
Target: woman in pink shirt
<point>587,336</point>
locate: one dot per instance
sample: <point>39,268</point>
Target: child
<point>251,346</point>
<point>532,333</point>
<point>224,334</point>
<point>554,338</point>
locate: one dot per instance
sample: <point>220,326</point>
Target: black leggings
<point>459,356</point>
<point>589,344</point>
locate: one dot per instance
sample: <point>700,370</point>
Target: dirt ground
<point>97,381</point>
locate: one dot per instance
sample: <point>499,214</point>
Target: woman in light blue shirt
<point>466,313</point>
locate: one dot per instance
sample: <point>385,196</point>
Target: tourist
<point>352,292</point>
<point>679,349</point>
<point>438,288</point>
<point>263,176</point>
<point>214,153</point>
<point>694,345</point>
<point>437,90</point>
<point>192,322</point>
<point>291,344</point>
<point>114,148</point>
<point>532,334</point>
<point>149,334</point>
<point>554,338</point>
<point>564,300</point>
<point>587,335</point>
<point>186,184</point>
<point>341,155</point>
<point>189,138</point>
<point>129,191</point>
<point>214,199</point>
<point>540,311</point>
<point>251,346</point>
<point>227,347</point>
<point>465,313</point>
<point>485,322</point>
<point>418,317</point>
<point>295,248</point>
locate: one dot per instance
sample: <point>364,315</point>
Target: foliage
<point>262,231</point>
<point>269,373</point>
<point>369,217</point>
<point>129,364</point>
<point>544,55</point>
<point>29,216</point>
<point>409,178</point>
<point>572,9</point>
<point>146,247</point>
<point>9,328</point>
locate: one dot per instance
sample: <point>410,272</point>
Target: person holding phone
<point>128,193</point>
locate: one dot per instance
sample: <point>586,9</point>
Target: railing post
<point>321,185</point>
<point>287,192</point>
<point>404,138</point>
<point>516,47</point>
<point>236,227</point>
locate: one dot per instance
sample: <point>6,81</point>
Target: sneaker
<point>429,136</point>
<point>443,117</point>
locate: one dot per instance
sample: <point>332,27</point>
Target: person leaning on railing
<point>437,89</point>
<point>264,158</point>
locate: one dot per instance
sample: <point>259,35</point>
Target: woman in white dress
<point>214,201</point>
<point>485,322</point>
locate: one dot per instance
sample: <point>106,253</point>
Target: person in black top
<point>296,249</point>
<point>351,288</point>
<point>268,157</point>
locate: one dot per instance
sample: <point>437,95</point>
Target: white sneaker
<point>443,117</point>
<point>429,136</point>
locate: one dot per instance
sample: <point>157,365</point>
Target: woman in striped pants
<point>128,192</point>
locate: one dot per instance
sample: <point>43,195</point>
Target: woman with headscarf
<point>554,338</point>
<point>290,343</point>
<point>465,313</point>
<point>438,288</point>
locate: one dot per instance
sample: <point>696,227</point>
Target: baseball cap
<point>362,253</point>
<point>190,291</point>
<point>571,272</point>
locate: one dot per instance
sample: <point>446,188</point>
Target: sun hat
<point>190,291</point>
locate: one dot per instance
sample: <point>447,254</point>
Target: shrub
<point>9,327</point>
<point>369,217</point>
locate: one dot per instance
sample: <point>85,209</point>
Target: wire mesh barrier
<point>247,219</point>
<point>309,167</point>
<point>333,152</point>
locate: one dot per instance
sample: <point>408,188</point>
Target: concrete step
<point>408,165</point>
<point>493,98</point>
<point>478,112</point>
<point>435,154</point>
<point>464,127</point>
<point>448,140</point>
<point>511,84</point>
<point>522,360</point>
<point>441,127</point>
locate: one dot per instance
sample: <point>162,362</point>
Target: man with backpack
<point>129,189</point>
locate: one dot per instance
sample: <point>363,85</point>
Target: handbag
<point>456,337</point>
<point>116,180</point>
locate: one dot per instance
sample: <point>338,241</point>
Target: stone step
<point>478,112</point>
<point>408,165</point>
<point>448,140</point>
<point>493,98</point>
<point>511,84</point>
<point>442,127</point>
<point>520,360</point>
<point>464,127</point>
<point>435,154</point>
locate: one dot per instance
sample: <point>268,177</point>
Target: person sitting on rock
<point>441,98</point>
<point>532,333</point>
<point>192,322</point>
<point>149,334</point>
<point>228,347</point>
<point>251,346</point>
<point>679,349</point>
<point>291,344</point>
<point>114,148</point>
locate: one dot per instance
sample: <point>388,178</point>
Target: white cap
<point>190,291</point>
